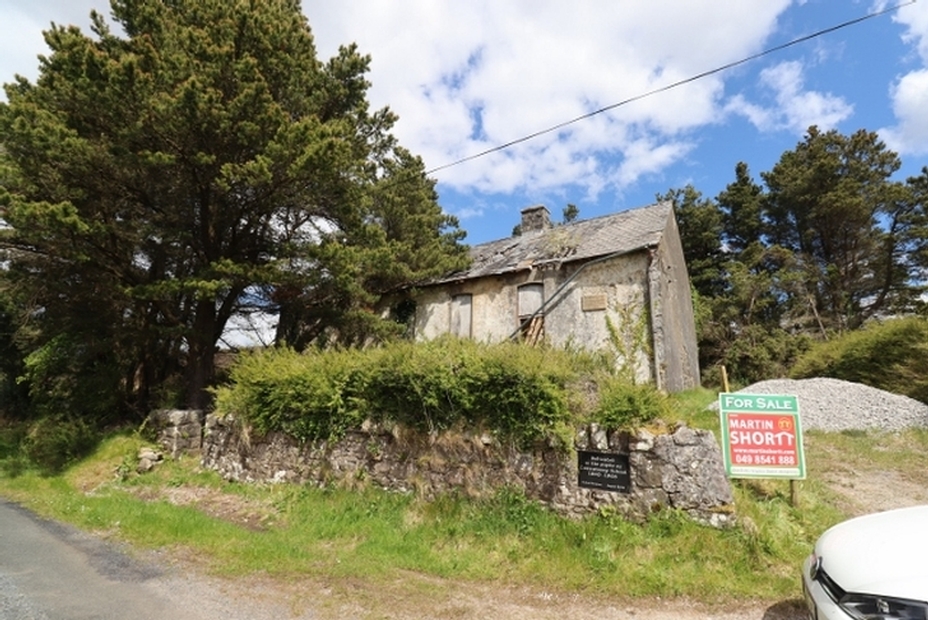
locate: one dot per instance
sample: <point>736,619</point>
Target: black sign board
<point>604,471</point>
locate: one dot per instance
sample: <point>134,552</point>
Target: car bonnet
<point>885,553</point>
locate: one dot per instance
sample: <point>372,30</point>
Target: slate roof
<point>619,233</point>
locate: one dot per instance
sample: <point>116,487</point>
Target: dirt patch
<point>863,482</point>
<point>229,507</point>
<point>862,492</point>
<point>416,597</point>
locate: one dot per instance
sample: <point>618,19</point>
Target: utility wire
<point>698,76</point>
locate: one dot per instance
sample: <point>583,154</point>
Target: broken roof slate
<point>619,233</point>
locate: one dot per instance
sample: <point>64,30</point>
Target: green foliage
<point>570,213</point>
<point>55,441</point>
<point>755,354</point>
<point>626,405</point>
<point>690,407</point>
<point>419,386</point>
<point>517,391</point>
<point>370,537</point>
<point>310,396</point>
<point>629,338</point>
<point>831,203</point>
<point>14,394</point>
<point>827,243</point>
<point>12,434</point>
<point>75,379</point>
<point>741,205</point>
<point>194,162</point>
<point>890,355</point>
<point>521,391</point>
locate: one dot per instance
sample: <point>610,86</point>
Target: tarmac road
<point>49,571</point>
<point>52,571</point>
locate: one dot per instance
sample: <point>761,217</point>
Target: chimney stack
<point>535,218</point>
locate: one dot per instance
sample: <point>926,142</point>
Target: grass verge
<point>289,532</point>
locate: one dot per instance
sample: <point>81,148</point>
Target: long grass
<point>364,533</point>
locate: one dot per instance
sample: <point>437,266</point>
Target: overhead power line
<point>662,89</point>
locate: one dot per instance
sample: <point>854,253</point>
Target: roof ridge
<point>564,243</point>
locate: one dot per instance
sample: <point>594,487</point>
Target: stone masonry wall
<point>179,431</point>
<point>677,467</point>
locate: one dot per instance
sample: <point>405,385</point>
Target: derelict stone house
<point>617,281</point>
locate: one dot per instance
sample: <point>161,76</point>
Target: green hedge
<point>518,392</point>
<point>306,396</point>
<point>891,356</point>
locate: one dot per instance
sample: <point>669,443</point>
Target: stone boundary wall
<point>678,467</point>
<point>179,431</point>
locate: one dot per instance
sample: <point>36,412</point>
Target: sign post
<point>761,436</point>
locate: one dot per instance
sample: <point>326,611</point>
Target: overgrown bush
<point>422,386</point>
<point>12,434</point>
<point>308,396</point>
<point>754,354</point>
<point>891,356</point>
<point>518,392</point>
<point>75,377</point>
<point>521,391</point>
<point>626,405</point>
<point>55,441</point>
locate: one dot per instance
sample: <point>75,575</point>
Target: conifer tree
<point>198,161</point>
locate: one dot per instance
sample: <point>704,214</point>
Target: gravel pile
<point>834,405</point>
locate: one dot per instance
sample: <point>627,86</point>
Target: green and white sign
<point>761,436</point>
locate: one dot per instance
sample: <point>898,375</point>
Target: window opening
<point>531,319</point>
<point>462,315</point>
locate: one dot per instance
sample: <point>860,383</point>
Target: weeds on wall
<point>628,337</point>
<point>521,394</point>
<point>623,401</point>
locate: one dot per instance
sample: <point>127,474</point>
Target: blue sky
<point>467,76</point>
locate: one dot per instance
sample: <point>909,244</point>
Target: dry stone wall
<point>179,431</point>
<point>678,467</point>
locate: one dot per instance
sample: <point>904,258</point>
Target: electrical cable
<point>667,87</point>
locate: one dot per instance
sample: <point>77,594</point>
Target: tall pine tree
<point>157,183</point>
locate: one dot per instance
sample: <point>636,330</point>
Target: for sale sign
<point>761,436</point>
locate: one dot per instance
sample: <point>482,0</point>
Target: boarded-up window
<point>461,315</point>
<point>531,297</point>
<point>531,300</point>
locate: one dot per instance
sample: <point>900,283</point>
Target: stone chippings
<point>828,404</point>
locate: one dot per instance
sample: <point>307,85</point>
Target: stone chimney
<point>535,218</point>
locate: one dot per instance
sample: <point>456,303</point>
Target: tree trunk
<point>201,356</point>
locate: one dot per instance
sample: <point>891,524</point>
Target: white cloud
<point>795,109</point>
<point>909,94</point>
<point>647,157</point>
<point>915,18</point>
<point>466,77</point>
<point>21,39</point>
<point>524,66</point>
<point>910,103</point>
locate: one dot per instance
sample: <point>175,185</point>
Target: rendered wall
<point>676,356</point>
<point>581,301</point>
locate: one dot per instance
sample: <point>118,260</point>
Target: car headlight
<point>869,607</point>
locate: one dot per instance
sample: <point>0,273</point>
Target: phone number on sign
<point>764,459</point>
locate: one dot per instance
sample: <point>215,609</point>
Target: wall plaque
<point>589,303</point>
<point>604,471</point>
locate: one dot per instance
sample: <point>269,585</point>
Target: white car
<point>873,567</point>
